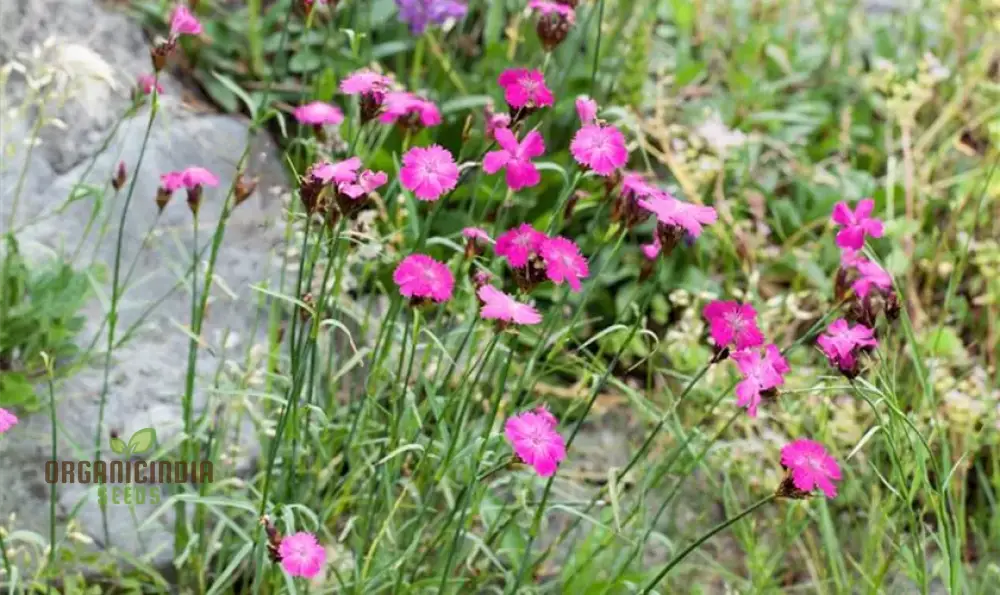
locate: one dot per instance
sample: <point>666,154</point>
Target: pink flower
<point>518,244</point>
<point>536,441</point>
<point>651,251</point>
<point>364,81</point>
<point>405,105</point>
<point>7,420</point>
<point>563,262</point>
<point>193,177</point>
<point>497,305</point>
<point>366,183</point>
<point>760,374</point>
<point>495,121</point>
<point>428,172</point>
<point>525,88</point>
<point>635,185</point>
<point>516,157</point>
<point>842,342</point>
<point>342,171</point>
<point>672,212</point>
<point>870,274</point>
<point>543,412</point>
<point>318,113</point>
<point>420,276</point>
<point>182,22</point>
<point>849,258</point>
<point>811,467</point>
<point>172,181</point>
<point>546,7</point>
<point>301,555</point>
<point>601,148</point>
<point>476,233</point>
<point>147,83</point>
<point>586,107</point>
<point>733,325</point>
<point>857,224</point>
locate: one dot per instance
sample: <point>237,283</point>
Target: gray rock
<point>148,372</point>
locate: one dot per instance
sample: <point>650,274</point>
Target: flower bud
<point>120,177</point>
<point>244,188</point>
<point>194,199</point>
<point>163,197</point>
<point>552,30</point>
<point>787,489</point>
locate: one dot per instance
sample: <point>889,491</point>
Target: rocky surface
<point>74,63</point>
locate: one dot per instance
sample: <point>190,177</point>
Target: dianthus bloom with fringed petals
<point>563,262</point>
<point>147,82</point>
<point>676,217</point>
<point>517,245</point>
<point>516,158</point>
<point>7,420</point>
<point>525,89</point>
<point>367,182</point>
<point>536,441</point>
<point>497,305</point>
<point>625,207</point>
<point>810,467</point>
<point>195,176</point>
<point>428,172</point>
<point>183,22</point>
<point>600,148</point>
<point>870,275</point>
<point>301,555</point>
<point>421,277</point>
<point>409,110</point>
<point>586,108</point>
<point>842,342</point>
<point>856,224</point>
<point>476,233</point>
<point>761,374</point>
<point>733,325</point>
<point>317,113</point>
<point>345,171</point>
<point>364,81</point>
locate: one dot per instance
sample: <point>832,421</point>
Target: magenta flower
<point>536,441</point>
<point>182,22</point>
<point>407,107</point>
<point>733,325</point>
<point>856,224</point>
<point>563,261</point>
<point>849,258</point>
<point>7,420</point>
<point>342,171</point>
<point>317,113</point>
<point>301,555</point>
<point>586,107</point>
<point>870,274</point>
<point>421,277</point>
<point>476,233</point>
<point>811,467</point>
<point>194,177</point>
<point>497,305</point>
<point>760,374</point>
<point>172,181</point>
<point>428,172</point>
<point>517,245</point>
<point>366,183</point>
<point>525,88</point>
<point>841,343</point>
<point>672,212</point>
<point>652,250</point>
<point>364,81</point>
<point>601,148</point>
<point>635,185</point>
<point>516,157</point>
<point>494,121</point>
<point>543,412</point>
<point>147,83</point>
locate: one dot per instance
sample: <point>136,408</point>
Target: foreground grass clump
<point>761,242</point>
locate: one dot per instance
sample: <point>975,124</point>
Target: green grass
<point>381,430</point>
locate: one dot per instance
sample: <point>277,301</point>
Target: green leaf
<point>220,94</point>
<point>239,92</point>
<point>305,62</point>
<point>464,103</point>
<point>142,440</point>
<point>118,445</point>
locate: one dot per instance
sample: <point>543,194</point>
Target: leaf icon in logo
<point>118,446</point>
<point>142,440</point>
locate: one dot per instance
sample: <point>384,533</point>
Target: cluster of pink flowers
<point>342,184</point>
<point>535,256</point>
<point>192,178</point>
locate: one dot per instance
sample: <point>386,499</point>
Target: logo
<point>131,479</point>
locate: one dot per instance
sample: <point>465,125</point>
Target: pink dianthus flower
<point>536,442</point>
<point>183,22</point>
<point>405,107</point>
<point>365,184</point>
<point>516,158</point>
<point>364,81</point>
<point>421,277</point>
<point>497,305</point>
<point>760,375</point>
<point>317,113</point>
<point>345,171</point>
<point>428,172</point>
<point>525,88</point>
<point>857,224</point>
<point>147,82</point>
<point>586,108</point>
<point>301,555</point>
<point>842,342</point>
<point>7,420</point>
<point>870,274</point>
<point>600,148</point>
<point>671,212</point>
<point>518,244</point>
<point>193,177</point>
<point>733,325</point>
<point>811,467</point>
<point>563,261</point>
<point>476,233</point>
